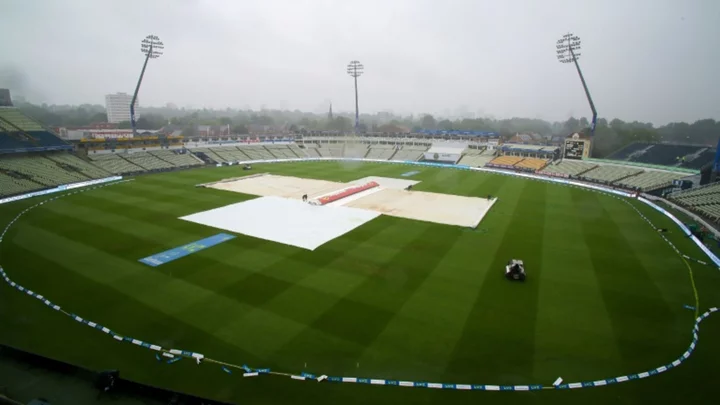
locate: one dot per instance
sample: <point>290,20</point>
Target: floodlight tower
<point>568,50</point>
<point>355,69</point>
<point>151,47</point>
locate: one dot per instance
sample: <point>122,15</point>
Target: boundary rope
<point>175,354</point>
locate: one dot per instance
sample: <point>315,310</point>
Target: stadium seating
<point>476,157</point>
<point>381,152</point>
<point>704,200</point>
<point>297,151</point>
<point>651,179</point>
<point>610,173</point>
<point>506,160</point>
<point>176,159</point>
<point>281,151</point>
<point>628,150</point>
<point>114,163</point>
<point>256,152</point>
<point>10,185</point>
<point>231,154</point>
<point>567,167</point>
<point>312,151</point>
<point>665,154</point>
<point>33,134</point>
<point>78,164</point>
<point>209,153</point>
<point>40,169</point>
<point>409,153</point>
<point>20,120</point>
<point>699,161</point>
<point>148,161</point>
<point>355,150</point>
<point>533,164</point>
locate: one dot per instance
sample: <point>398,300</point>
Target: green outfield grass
<point>395,299</point>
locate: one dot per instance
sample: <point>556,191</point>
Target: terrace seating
<point>40,169</point>
<point>409,153</point>
<point>661,154</point>
<point>10,185</point>
<point>231,154</point>
<point>78,164</point>
<point>209,153</point>
<point>610,173</point>
<point>506,160</point>
<point>628,150</point>
<point>18,131</point>
<point>651,179</point>
<point>177,159</point>
<point>297,151</point>
<point>703,200</point>
<point>704,158</point>
<point>115,164</point>
<point>533,164</point>
<point>381,152</point>
<point>353,150</point>
<point>567,168</point>
<point>665,154</point>
<point>256,152</point>
<point>148,161</point>
<point>313,152</point>
<point>20,120</point>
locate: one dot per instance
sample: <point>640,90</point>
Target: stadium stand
<point>409,153</point>
<point>39,169</point>
<point>690,156</point>
<point>625,152</point>
<point>382,152</point>
<point>20,132</point>
<point>74,163</point>
<point>699,160</point>
<point>281,151</point>
<point>476,157</point>
<point>704,200</point>
<point>665,155</point>
<point>177,159</point>
<point>610,173</point>
<point>355,150</point>
<point>11,184</point>
<point>533,164</point>
<point>114,163</point>
<point>651,179</point>
<point>297,151</point>
<point>505,161</point>
<point>313,152</point>
<point>256,152</point>
<point>148,161</point>
<point>209,154</point>
<point>567,168</point>
<point>230,154</point>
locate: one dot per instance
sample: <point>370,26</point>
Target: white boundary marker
<point>198,356</point>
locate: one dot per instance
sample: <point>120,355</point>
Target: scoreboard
<point>576,148</point>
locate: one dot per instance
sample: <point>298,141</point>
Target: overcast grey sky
<point>647,60</point>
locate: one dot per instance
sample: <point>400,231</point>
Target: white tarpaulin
<point>285,220</point>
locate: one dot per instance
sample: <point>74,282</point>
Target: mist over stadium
<point>384,234</point>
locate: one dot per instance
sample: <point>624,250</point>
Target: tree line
<point>609,135</point>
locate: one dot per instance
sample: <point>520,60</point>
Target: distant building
<point>118,107</point>
<point>5,100</point>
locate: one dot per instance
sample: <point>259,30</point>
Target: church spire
<point>330,115</point>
